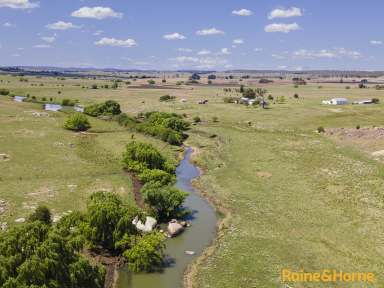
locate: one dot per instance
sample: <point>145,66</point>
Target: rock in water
<point>174,228</point>
<point>190,252</point>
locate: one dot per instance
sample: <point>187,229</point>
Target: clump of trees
<point>158,174</point>
<point>41,254</point>
<point>37,254</point>
<point>169,127</point>
<point>108,108</point>
<point>77,122</point>
<point>252,93</point>
<point>166,98</point>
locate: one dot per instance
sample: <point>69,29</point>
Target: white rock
<point>188,252</point>
<point>56,218</point>
<point>20,220</point>
<point>149,225</point>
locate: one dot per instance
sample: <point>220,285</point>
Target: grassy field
<point>298,199</point>
<point>50,165</point>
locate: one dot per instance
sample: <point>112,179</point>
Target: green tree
<point>108,219</point>
<point>147,255</point>
<point>139,156</point>
<point>165,201</point>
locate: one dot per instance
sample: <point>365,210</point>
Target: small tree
<point>77,122</point>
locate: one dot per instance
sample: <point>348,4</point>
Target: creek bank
<point>222,224</point>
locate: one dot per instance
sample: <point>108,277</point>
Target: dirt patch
<point>43,193</point>
<point>362,133</point>
<point>137,185</point>
<point>264,174</point>
<point>111,263</point>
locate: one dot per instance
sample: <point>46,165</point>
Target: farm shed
<point>336,101</point>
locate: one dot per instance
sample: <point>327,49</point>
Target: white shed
<point>336,101</point>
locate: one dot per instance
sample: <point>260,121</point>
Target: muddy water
<point>195,238</point>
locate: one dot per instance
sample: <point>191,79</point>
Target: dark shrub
<point>4,92</point>
<point>42,214</point>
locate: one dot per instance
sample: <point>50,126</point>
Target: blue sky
<point>171,34</point>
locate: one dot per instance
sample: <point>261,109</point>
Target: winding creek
<point>195,238</point>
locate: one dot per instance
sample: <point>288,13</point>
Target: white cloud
<point>18,4</point>
<point>48,39</point>
<point>188,50</point>
<point>285,13</point>
<point>242,12</point>
<point>278,56</point>
<point>116,42</point>
<point>376,42</point>
<point>98,32</point>
<point>258,49</point>
<point>183,59</point>
<point>225,51</point>
<point>308,54</point>
<point>174,36</point>
<point>348,53</point>
<point>238,41</point>
<point>281,27</point>
<point>334,53</point>
<point>282,67</point>
<point>199,62</point>
<point>98,13</point>
<point>209,31</point>
<point>8,25</point>
<point>61,25</point>
<point>204,52</point>
<point>42,46</point>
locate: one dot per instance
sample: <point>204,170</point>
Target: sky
<point>207,35</point>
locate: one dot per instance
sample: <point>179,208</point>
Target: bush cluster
<point>169,127</point>
<point>158,174</point>
<point>109,107</point>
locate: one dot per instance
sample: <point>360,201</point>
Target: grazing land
<point>297,198</point>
